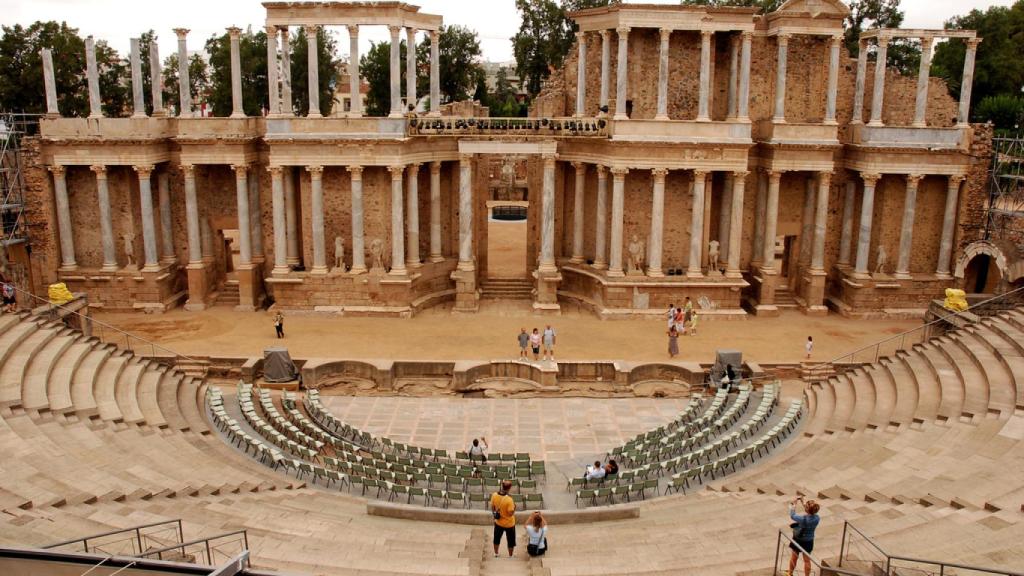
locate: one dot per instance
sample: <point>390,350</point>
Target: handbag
<point>798,530</point>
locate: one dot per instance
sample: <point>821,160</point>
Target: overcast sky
<point>495,20</point>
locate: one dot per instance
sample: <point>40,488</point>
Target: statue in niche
<point>636,255</point>
<point>129,249</point>
<point>339,253</point>
<point>882,261</point>
<point>377,255</point>
<point>713,257</point>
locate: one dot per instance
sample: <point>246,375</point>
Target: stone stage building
<point>745,161</point>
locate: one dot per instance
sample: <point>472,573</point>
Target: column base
<point>398,272</point>
<point>902,276</point>
<point>600,265</point>
<point>703,119</point>
<point>318,270</point>
<point>109,268</point>
<point>661,117</point>
<point>616,274</point>
<point>154,267</point>
<point>413,264</point>
<point>943,276</point>
<point>576,259</point>
<point>394,114</point>
<point>68,268</point>
<point>293,261</point>
<point>465,266</point>
<point>733,274</point>
<point>314,115</point>
<point>655,273</point>
<point>620,116</point>
<point>237,115</point>
<point>875,123</point>
<point>695,274</point>
<point>547,268</point>
<point>436,258</point>
<point>466,298</point>
<point>280,270</point>
<point>357,270</point>
<point>434,114</point>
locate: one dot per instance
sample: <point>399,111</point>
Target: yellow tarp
<point>59,294</point>
<point>955,300</point>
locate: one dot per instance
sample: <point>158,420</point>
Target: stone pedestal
<point>547,291</point>
<point>198,286</point>
<point>466,297</point>
<point>884,296</point>
<point>126,290</point>
<point>814,293</point>
<point>250,287</point>
<point>763,282</point>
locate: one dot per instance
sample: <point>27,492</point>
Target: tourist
<point>478,450</point>
<point>671,315</point>
<point>673,342</point>
<point>680,324</point>
<point>809,346</point>
<point>537,535</point>
<point>549,343</point>
<point>594,472</point>
<point>687,310</point>
<point>279,324</point>
<point>524,341</point>
<point>503,508</point>
<point>10,301</point>
<point>803,533</point>
<point>693,323</point>
<point>535,344</point>
<point>611,468</point>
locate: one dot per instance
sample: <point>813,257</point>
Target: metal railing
<point>857,547</point>
<point>783,543</point>
<point>107,333</point>
<point>127,541</point>
<point>212,550</point>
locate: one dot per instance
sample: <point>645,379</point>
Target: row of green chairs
<point>626,491</point>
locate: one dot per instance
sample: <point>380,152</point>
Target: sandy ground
<point>436,334</point>
<point>506,249</point>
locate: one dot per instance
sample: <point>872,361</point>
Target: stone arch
<point>982,247</point>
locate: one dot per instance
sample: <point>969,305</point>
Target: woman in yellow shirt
<point>504,510</point>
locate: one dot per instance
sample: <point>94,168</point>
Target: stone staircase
<point>506,289</point>
<point>784,298</point>
<point>228,295</point>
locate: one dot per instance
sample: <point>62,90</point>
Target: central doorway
<point>506,239</point>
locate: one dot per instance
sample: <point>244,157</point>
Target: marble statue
<point>883,259</point>
<point>339,253</point>
<point>713,257</point>
<point>129,249</point>
<point>377,255</point>
<point>636,255</point>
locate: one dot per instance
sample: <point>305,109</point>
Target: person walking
<point>803,533</point>
<point>549,343</point>
<point>671,315</point>
<point>279,324</point>
<point>673,342</point>
<point>503,508</point>
<point>693,323</point>
<point>537,534</point>
<point>524,341</point>
<point>535,344</point>
<point>809,346</point>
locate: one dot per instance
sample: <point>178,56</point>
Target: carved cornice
<point>100,170</point>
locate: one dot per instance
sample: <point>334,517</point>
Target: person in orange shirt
<point>503,508</point>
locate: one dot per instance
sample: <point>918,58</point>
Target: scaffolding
<point>13,127</point>
<point>1006,189</point>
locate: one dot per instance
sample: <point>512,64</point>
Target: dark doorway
<point>982,276</point>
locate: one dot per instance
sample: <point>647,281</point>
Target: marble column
<point>862,74</point>
<point>242,200</point>
<point>195,246</point>
<point>663,75</point>
<point>581,73</point>
<point>807,220</point>
<point>601,224</point>
<point>237,110</point>
<point>50,84</point>
<point>547,228</point>
<point>725,214</point>
<point>256,219</point>
<point>820,221</point>
<point>355,98</point>
<point>287,107</point>
<point>968,81</point>
<point>272,79</point>
<point>743,105</point>
<point>923,74</point>
<point>435,74</point>
<point>734,64</point>
<point>622,74</point>
<point>618,205</point>
<point>412,216</point>
<point>739,182</point>
<point>410,69</point>
<point>694,268</point>
<point>780,79</point>
<point>435,212</point>
<point>878,97</point>
<point>466,261</point>
<point>313,76</point>
<point>704,101</point>
<point>156,80</point>
<point>577,212</point>
<point>358,238</point>
<point>151,262</point>
<point>138,92</point>
<point>606,58</point>
<point>759,213</point>
<point>316,205</point>
<point>867,211</point>
<point>67,240</point>
<point>93,76</point>
<point>291,217</point>
<point>833,79</point>
<point>907,227</point>
<point>846,237</point>
<point>397,221</point>
<point>771,220</point>
<point>657,223</point>
<point>163,194</point>
<point>184,84</point>
<point>948,224</point>
<point>396,73</point>
<point>206,234</point>
<point>106,222</point>
<point>280,220</point>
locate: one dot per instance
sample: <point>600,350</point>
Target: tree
<point>327,71</point>
<point>903,54</point>
<point>21,68</point>
<point>999,63</point>
<point>146,40</point>
<point>458,63</point>
<point>253,53</point>
<point>375,68</point>
<point>502,102</point>
<point>115,89</point>
<point>1004,111</point>
<point>198,79</point>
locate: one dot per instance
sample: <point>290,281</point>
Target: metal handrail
<point>182,545</point>
<point>889,558</point>
<point>815,561</point>
<point>84,540</point>
<point>127,335</point>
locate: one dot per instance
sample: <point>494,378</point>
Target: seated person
<point>611,468</point>
<point>478,451</point>
<point>594,472</point>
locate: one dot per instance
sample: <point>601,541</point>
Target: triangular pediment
<point>815,7</point>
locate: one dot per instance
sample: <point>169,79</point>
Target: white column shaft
<point>867,211</point>
<point>739,183</point>
<point>156,80</point>
<point>606,58</point>
<point>907,226</point>
<point>358,238</point>
<point>287,107</point>
<point>547,230</point>
<point>968,81</point>
<point>435,212</point>
<point>106,222</point>
<point>316,187</point>
<point>244,230</point>
<point>412,216</point>
<point>236,74</point>
<point>92,73</point>
<point>410,68</point>
<point>577,213</point>
<point>657,222</point>
<point>618,205</point>
<point>273,85</point>
<point>846,237</point>
<point>862,74</point>
<point>396,72</point>
<point>195,246</point>
<point>662,113</point>
<point>780,79</point>
<point>138,92</point>
<point>622,75</point>
<point>581,74</point>
<point>435,74</point>
<point>280,220</point>
<point>923,74</point>
<point>833,80</point>
<point>67,240</point>
<point>148,223</point>
<point>820,222</point>
<point>704,98</point>
<point>771,220</point>
<point>313,76</point>
<point>743,106</point>
<point>948,224</point>
<point>184,83</point>
<point>601,224</point>
<point>50,84</point>
<point>878,97</point>
<point>397,221</point>
<point>355,98</point>
<point>694,268</point>
<point>466,214</point>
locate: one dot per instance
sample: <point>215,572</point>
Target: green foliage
<point>458,63</point>
<point>115,90</point>
<point>198,79</point>
<point>327,71</point>
<point>903,54</point>
<point>146,40</point>
<point>253,52</point>
<point>999,63</point>
<point>21,68</point>
<point>375,68</point>
<point>1006,112</point>
<point>545,37</point>
<point>502,102</point>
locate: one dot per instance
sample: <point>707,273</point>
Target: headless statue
<point>339,253</point>
<point>129,249</point>
<point>377,253</point>
<point>883,259</point>
<point>713,256</point>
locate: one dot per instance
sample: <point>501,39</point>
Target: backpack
<point>8,290</point>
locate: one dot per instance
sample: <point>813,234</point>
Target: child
<point>809,346</point>
<point>693,323</point>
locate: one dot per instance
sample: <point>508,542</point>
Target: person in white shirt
<point>537,534</point>
<point>478,450</point>
<point>809,346</point>
<point>595,472</point>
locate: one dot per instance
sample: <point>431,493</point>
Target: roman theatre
<point>744,162</point>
